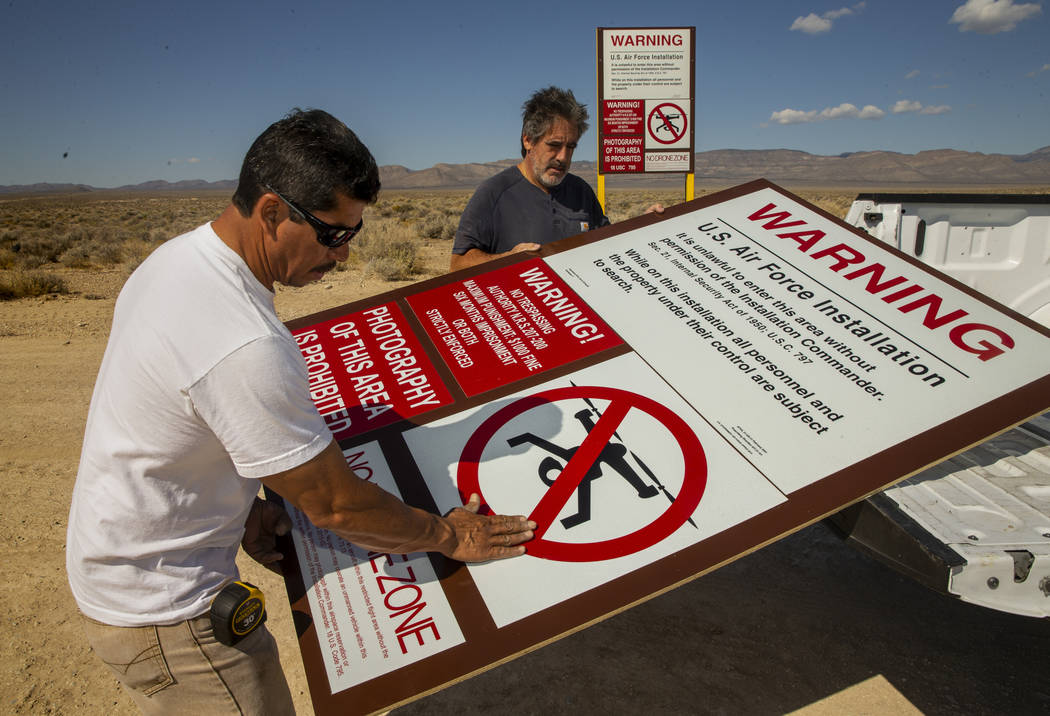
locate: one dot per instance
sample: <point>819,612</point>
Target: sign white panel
<point>667,161</point>
<point>646,63</point>
<point>667,125</point>
<point>763,297</point>
<point>611,524</point>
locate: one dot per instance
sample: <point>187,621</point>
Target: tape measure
<point>237,611</point>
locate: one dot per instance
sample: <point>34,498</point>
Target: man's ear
<point>526,143</point>
<point>268,212</point>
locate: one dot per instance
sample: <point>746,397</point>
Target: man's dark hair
<point>308,156</point>
<point>539,111</point>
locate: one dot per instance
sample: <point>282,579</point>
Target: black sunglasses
<point>327,235</point>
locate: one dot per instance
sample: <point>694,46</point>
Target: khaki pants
<point>181,668</point>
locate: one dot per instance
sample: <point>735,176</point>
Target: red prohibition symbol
<point>550,505</point>
<point>667,117</point>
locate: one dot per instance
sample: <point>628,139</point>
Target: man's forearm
<point>473,257</point>
<point>335,499</point>
<point>389,525</point>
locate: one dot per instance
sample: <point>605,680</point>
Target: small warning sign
<point>646,79</point>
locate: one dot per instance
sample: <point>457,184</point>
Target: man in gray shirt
<point>537,201</point>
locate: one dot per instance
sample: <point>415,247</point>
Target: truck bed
<point>975,526</point>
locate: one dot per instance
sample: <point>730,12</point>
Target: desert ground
<point>806,623</point>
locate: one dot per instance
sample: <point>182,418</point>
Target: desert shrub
<point>8,258</point>
<point>134,253</point>
<point>393,260</point>
<point>92,254</point>
<point>80,234</point>
<point>36,251</point>
<point>109,253</point>
<point>437,226</point>
<point>404,210</point>
<point>388,250</point>
<point>78,257</point>
<point>26,284</point>
<point>393,267</point>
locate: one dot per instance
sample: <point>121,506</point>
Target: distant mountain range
<point>937,168</point>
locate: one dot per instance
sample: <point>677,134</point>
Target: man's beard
<point>541,173</point>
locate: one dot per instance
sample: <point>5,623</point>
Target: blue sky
<point>135,91</point>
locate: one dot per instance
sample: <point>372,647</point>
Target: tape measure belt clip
<point>237,611</point>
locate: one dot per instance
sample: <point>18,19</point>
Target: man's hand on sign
<point>483,537</point>
<point>266,521</point>
<point>526,246</point>
<point>655,209</point>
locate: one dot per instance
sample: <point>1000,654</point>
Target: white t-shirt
<point>202,389</point>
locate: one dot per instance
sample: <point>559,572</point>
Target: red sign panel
<point>509,323</point>
<point>367,370</point>
<point>622,154</point>
<point>622,116</point>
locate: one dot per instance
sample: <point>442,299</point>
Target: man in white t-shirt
<point>201,397</point>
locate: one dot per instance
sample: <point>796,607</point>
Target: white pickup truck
<point>976,526</point>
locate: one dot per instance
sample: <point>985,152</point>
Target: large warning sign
<point>646,100</point>
<point>660,396</point>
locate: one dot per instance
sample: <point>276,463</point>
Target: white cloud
<point>911,75</point>
<point>843,111</point>
<point>989,17</point>
<point>813,24</point>
<point>850,111</point>
<point>793,116</point>
<point>910,105</point>
<point>836,14</point>
<point>1044,68</point>
<point>870,111</point>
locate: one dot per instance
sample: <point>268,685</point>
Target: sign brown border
<point>487,646</point>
